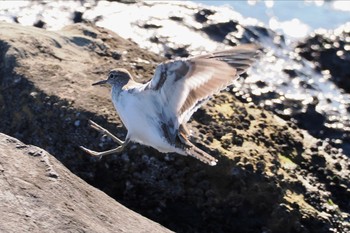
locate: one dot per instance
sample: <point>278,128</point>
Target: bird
<point>155,113</point>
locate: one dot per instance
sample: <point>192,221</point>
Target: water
<point>294,18</point>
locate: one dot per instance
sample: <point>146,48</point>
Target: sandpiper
<point>155,113</point>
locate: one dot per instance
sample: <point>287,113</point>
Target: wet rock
<point>219,31</point>
<point>176,18</point>
<point>330,51</point>
<point>202,15</point>
<point>39,24</point>
<point>172,52</point>
<point>125,1</point>
<point>149,25</point>
<point>77,17</point>
<point>304,119</point>
<point>258,33</point>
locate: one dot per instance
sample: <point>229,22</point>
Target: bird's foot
<point>100,129</point>
<point>103,153</point>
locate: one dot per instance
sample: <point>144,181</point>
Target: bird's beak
<point>100,82</point>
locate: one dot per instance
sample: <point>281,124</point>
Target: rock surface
<point>38,194</point>
<point>271,176</point>
<point>330,51</point>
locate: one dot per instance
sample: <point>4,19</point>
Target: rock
<point>265,179</point>
<point>39,24</point>
<point>330,51</point>
<point>201,15</point>
<point>219,31</point>
<point>125,1</point>
<point>39,194</point>
<point>77,17</point>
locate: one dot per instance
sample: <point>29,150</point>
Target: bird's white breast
<point>139,113</point>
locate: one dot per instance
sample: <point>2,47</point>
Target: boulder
<point>329,51</point>
<point>39,194</point>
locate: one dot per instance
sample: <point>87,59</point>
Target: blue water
<point>315,14</point>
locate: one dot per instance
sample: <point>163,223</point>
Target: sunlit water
<point>294,18</point>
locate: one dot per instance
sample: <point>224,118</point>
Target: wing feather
<point>185,84</point>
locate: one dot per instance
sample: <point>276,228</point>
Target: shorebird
<point>155,113</point>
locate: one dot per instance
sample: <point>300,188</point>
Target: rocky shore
<point>276,173</point>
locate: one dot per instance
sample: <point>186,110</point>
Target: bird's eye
<point>110,76</point>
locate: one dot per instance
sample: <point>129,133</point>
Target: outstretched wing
<point>185,84</point>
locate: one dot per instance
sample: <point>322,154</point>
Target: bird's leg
<point>104,131</point>
<point>107,152</point>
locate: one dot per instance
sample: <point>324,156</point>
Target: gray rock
<point>38,194</point>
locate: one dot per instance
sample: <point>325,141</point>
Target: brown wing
<point>184,85</point>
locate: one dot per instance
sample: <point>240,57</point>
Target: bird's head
<point>117,76</point>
